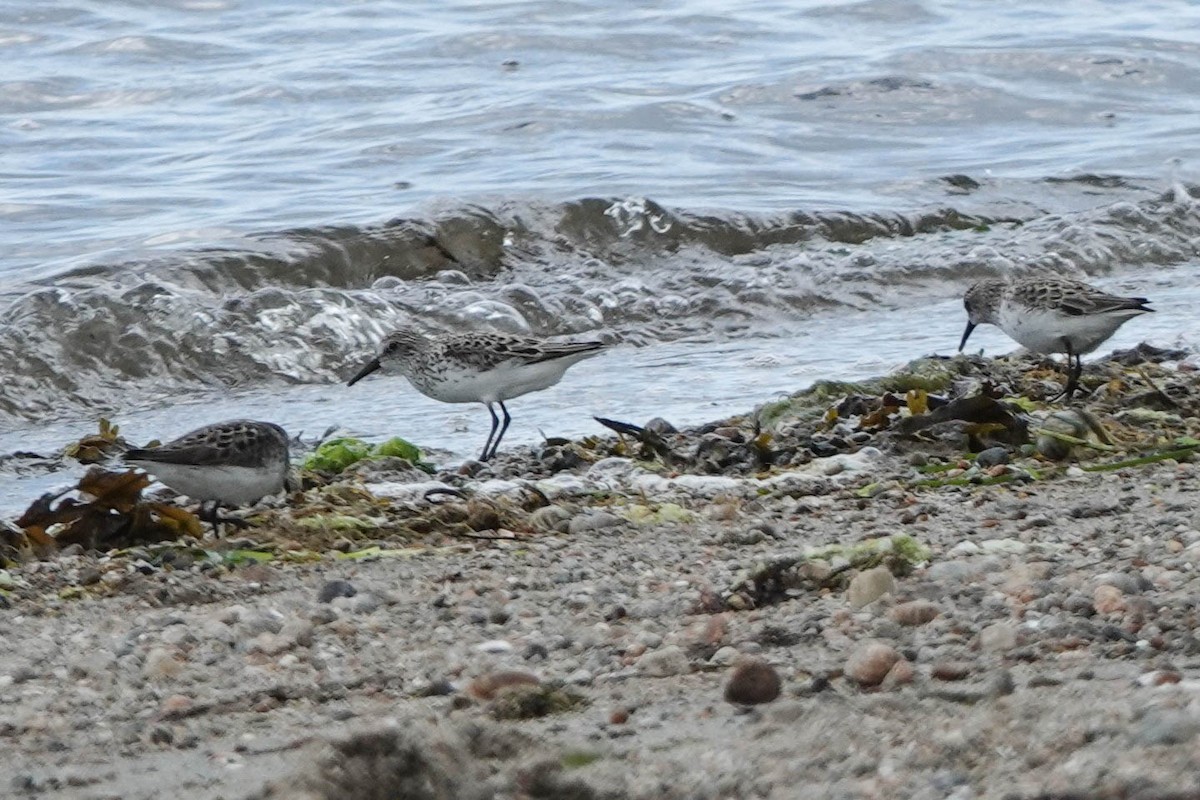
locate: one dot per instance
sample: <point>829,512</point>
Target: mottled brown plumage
<point>229,463</point>
<point>1051,315</point>
<point>477,367</point>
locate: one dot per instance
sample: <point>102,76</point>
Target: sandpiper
<point>486,368</point>
<point>1051,315</point>
<point>230,463</point>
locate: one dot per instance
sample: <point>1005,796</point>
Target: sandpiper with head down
<point>487,368</point>
<point>229,463</point>
<point>1051,315</point>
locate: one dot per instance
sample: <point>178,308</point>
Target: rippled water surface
<point>225,204</point>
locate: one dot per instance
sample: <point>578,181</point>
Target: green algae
<point>336,455</point>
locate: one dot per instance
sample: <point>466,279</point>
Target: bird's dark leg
<point>211,518</point>
<point>503,428</point>
<point>1074,371</point>
<point>485,455</point>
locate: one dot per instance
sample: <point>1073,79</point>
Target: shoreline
<point>948,614</point>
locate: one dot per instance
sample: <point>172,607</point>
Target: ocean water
<point>215,208</point>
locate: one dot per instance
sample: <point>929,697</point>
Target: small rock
<point>992,457</point>
<point>1159,677</point>
<point>725,656</point>
<point>271,644</point>
<point>618,717</point>
<point>869,585</point>
<point>787,712</point>
<point>161,663</point>
<point>915,612</point>
<point>333,589</point>
<point>592,521</point>
<point>751,682</point>
<point>581,677</point>
<point>869,664</point>
<point>998,637</point>
<point>495,647</point>
<point>660,426</point>
<point>299,631</point>
<point>486,687</point>
<point>900,674</point>
<point>664,662</point>
<point>950,670</point>
<point>364,603</point>
<point>1001,684</point>
<point>1163,727</point>
<point>550,519</point>
<point>1108,599</point>
<point>176,705</point>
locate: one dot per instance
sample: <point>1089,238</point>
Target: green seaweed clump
<point>335,455</point>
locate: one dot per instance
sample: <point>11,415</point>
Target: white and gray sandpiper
<point>1051,315</point>
<point>487,368</point>
<point>229,463</point>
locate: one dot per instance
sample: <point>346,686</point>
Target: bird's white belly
<point>234,486</point>
<point>502,383</point>
<point>1044,331</point>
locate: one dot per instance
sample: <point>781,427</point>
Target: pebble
<point>1013,547</point>
<point>1001,684</point>
<point>363,603</point>
<point>869,585</point>
<point>664,662</point>
<point>334,589</point>
<point>998,637</point>
<point>915,612</point>
<point>176,705</point>
<point>751,682</point>
<point>487,686</point>
<point>1166,727</point>
<point>870,662</point>
<point>725,656</point>
<point>901,674</point>
<point>581,677</point>
<point>950,670</point>
<point>591,521</point>
<point>788,711</point>
<point>495,647</point>
<point>991,457</point>
<point>161,663</point>
<point>1108,599</point>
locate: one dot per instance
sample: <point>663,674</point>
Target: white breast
<point>502,383</point>
<point>1047,331</point>
<point>234,486</point>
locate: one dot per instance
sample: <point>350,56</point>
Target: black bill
<point>961,345</point>
<point>370,367</point>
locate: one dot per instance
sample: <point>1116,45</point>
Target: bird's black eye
<point>392,347</point>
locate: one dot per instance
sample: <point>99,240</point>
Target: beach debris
<point>653,444</point>
<point>529,701</point>
<point>335,455</point>
<point>100,446</point>
<point>1064,430</point>
<point>784,577</point>
<point>104,510</point>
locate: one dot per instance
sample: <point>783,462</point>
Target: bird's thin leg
<point>503,428</point>
<point>1074,372</point>
<point>495,424</point>
<point>212,518</point>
